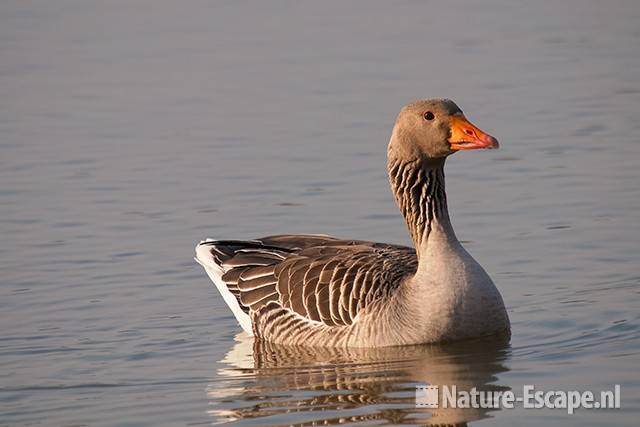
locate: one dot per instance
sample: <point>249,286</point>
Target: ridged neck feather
<point>418,187</point>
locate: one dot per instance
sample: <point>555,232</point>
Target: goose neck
<point>419,190</point>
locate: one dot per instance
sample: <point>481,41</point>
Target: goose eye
<point>429,115</point>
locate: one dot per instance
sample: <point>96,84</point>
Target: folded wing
<point>321,278</point>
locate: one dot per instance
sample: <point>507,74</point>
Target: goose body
<point>319,290</point>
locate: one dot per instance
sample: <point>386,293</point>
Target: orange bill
<point>466,136</point>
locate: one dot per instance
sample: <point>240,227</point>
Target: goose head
<point>435,129</point>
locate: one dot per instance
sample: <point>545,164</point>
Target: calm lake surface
<point>129,131</point>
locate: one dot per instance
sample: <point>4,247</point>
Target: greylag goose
<point>316,290</point>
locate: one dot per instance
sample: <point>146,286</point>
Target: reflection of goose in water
<point>280,385</point>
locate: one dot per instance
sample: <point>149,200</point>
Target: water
<point>130,131</point>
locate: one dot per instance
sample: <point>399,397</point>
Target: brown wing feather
<point>320,278</point>
<point>310,298</point>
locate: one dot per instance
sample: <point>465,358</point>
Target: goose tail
<point>205,256</point>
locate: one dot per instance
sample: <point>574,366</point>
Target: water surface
<point>130,131</point>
